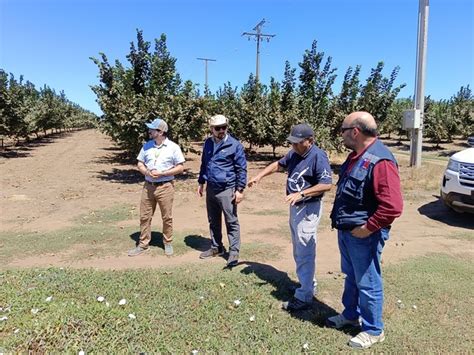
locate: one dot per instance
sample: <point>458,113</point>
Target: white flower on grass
<point>399,301</point>
<point>237,303</point>
<point>122,302</point>
<point>222,285</point>
<point>252,318</point>
<point>34,310</point>
<point>132,316</point>
<point>194,352</point>
<point>49,299</point>
<point>305,346</point>
<point>201,298</point>
<point>16,330</point>
<point>82,352</point>
<point>100,299</point>
<point>415,307</point>
<point>3,318</point>
<point>107,304</point>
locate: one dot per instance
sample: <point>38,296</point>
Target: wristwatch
<point>302,194</point>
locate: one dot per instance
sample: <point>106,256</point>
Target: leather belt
<point>158,183</point>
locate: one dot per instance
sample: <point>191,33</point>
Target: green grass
<point>192,308</point>
<point>441,289</point>
<point>110,215</point>
<point>265,212</point>
<point>95,234</point>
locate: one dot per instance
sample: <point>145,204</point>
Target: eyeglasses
<point>343,129</point>
<point>220,128</point>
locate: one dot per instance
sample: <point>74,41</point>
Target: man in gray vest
<point>368,199</point>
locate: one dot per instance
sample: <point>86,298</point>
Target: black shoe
<point>233,260</point>
<point>292,289</point>
<point>295,305</point>
<point>210,253</point>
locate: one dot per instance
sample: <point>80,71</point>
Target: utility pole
<point>206,60</point>
<point>259,36</point>
<point>417,128</point>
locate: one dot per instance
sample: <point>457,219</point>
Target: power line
<point>206,60</point>
<point>259,36</point>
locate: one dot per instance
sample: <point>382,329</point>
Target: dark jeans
<point>218,203</point>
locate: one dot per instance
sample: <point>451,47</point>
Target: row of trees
<point>260,114</point>
<point>24,110</point>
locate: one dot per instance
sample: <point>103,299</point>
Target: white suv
<point>457,188</point>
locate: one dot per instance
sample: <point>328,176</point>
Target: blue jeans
<point>304,220</point>
<point>363,287</point>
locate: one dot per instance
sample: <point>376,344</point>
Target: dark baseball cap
<point>300,132</point>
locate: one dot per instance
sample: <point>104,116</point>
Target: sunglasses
<point>343,129</point>
<point>220,128</point>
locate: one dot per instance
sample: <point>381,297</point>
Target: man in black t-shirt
<point>309,176</point>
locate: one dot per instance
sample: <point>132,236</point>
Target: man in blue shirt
<point>224,169</point>
<point>309,176</point>
<point>159,161</point>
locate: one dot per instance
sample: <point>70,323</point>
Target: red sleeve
<point>388,194</point>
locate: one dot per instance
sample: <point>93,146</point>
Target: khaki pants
<point>151,195</point>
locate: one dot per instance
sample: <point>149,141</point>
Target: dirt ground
<point>47,184</point>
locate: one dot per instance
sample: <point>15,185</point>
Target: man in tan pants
<point>159,161</point>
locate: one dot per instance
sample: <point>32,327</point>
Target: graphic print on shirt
<point>325,175</point>
<point>296,182</point>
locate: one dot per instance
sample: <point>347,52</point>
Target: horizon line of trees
<point>150,86</point>
<point>26,111</point>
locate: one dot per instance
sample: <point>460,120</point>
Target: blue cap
<point>300,132</point>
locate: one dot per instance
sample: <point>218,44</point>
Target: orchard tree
<point>379,92</point>
<point>274,125</point>
<point>254,111</point>
<point>315,92</point>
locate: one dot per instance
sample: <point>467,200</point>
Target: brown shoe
<point>213,252</point>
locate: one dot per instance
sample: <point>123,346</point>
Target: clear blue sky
<point>50,41</point>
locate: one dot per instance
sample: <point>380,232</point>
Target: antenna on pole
<point>206,60</point>
<point>259,36</point>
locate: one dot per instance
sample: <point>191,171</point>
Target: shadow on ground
<point>24,149</point>
<point>133,176</point>
<point>197,242</point>
<point>156,239</point>
<point>437,211</point>
<point>283,285</point>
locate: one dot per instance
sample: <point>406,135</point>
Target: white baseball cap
<point>159,124</point>
<point>218,120</point>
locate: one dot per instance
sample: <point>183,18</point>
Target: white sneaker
<point>340,321</point>
<point>168,249</point>
<point>364,340</point>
